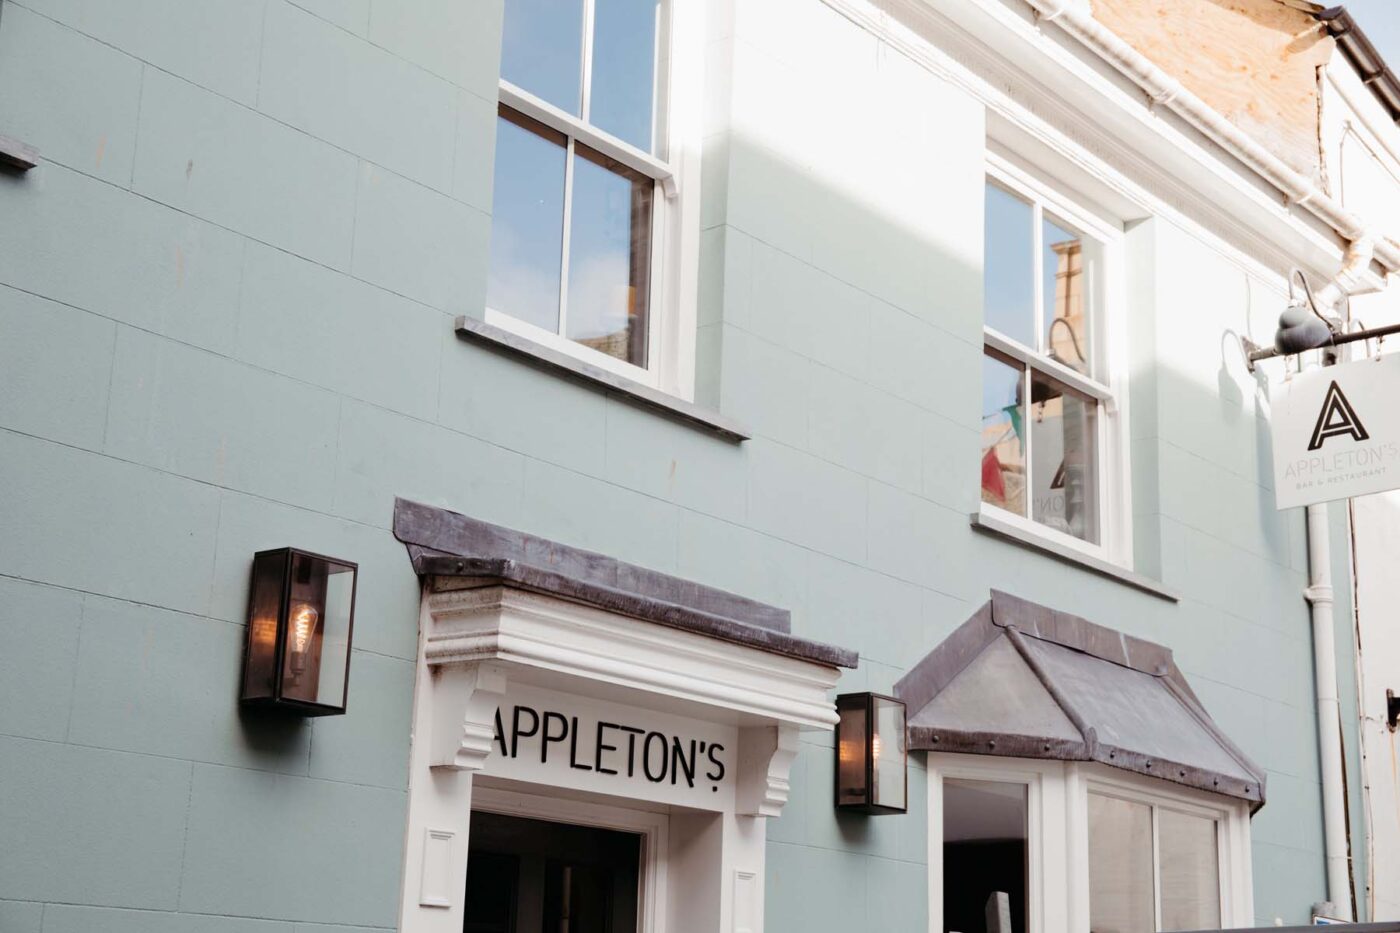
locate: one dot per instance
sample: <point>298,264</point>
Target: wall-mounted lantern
<point>300,616</point>
<point>870,754</point>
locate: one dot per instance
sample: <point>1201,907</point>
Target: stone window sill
<point>566,366</point>
<point>992,525</point>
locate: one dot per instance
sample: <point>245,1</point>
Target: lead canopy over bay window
<point>1073,770</point>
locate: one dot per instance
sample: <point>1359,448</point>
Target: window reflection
<point>1003,434</point>
<point>1063,458</point>
<point>527,223</point>
<point>1190,871</point>
<point>623,89</point>
<point>1064,264</point>
<point>542,50</point>
<point>1121,898</point>
<point>609,257</point>
<point>1008,272</point>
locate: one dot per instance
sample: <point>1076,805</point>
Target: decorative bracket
<point>465,699</point>
<point>766,754</point>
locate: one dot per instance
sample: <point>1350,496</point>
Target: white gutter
<point>1075,18</point>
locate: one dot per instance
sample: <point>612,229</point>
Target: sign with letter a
<point>1337,432</point>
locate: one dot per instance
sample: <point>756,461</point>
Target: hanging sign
<point>583,743</point>
<point>1337,432</point>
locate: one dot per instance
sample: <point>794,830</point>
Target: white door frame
<point>653,827</point>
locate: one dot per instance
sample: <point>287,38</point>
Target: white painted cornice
<point>1035,79</point>
<point>511,627</point>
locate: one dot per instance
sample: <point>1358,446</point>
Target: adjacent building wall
<point>226,303</point>
<point>1255,61</point>
<point>1362,147</point>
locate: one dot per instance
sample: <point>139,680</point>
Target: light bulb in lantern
<point>875,746</point>
<point>303,628</point>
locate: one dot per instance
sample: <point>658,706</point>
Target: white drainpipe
<point>1329,713</point>
<point>1320,598</point>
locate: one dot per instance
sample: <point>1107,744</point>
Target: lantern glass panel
<point>851,756</point>
<point>260,671</point>
<point>318,630</point>
<point>888,753</point>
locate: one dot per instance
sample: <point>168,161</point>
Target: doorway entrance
<point>537,876</point>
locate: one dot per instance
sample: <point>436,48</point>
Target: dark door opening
<point>535,876</point>
<point>985,855</point>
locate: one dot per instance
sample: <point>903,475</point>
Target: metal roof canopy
<point>1021,680</point>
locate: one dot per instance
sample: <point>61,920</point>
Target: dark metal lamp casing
<point>871,754</point>
<point>301,614</point>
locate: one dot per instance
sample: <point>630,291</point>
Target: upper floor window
<point>1046,393</point>
<point>583,164</point>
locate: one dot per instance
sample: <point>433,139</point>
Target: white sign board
<point>1337,432</point>
<point>563,740</point>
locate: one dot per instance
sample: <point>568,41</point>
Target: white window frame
<point>1057,817</point>
<point>1108,351</point>
<point>675,170</point>
<point>652,825</point>
<point>1163,795</point>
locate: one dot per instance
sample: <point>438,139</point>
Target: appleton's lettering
<point>656,756</point>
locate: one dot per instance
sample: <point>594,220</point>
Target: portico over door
<point>601,694</point>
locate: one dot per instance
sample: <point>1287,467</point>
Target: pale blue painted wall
<point>226,298</point>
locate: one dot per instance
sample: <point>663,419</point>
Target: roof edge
<point>1370,65</point>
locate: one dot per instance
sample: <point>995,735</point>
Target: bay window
<point>585,177</point>
<point>1151,867</point>
<point>1049,398</point>
<point>1076,846</point>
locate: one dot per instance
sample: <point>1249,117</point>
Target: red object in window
<point>992,480</point>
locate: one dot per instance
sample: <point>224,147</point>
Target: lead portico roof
<point>450,548</point>
<point>1022,680</point>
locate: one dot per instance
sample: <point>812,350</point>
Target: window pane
<point>890,770</point>
<point>1008,272</point>
<point>850,757</point>
<point>1120,866</point>
<point>527,222</point>
<point>1064,458</point>
<point>1190,872</point>
<point>1068,265</point>
<point>623,90</point>
<point>542,50</point>
<point>1003,435</point>
<point>984,851</point>
<point>609,257</point>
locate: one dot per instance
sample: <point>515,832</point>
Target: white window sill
<point>563,364</point>
<point>988,523</point>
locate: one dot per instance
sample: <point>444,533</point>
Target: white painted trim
<point>473,644</point>
<point>505,625</point>
<point>1232,831</point>
<point>1058,840</point>
<point>561,344</point>
<point>1050,367</point>
<point>1030,528</point>
<point>652,826</point>
<point>1035,89</point>
<point>551,116</point>
<point>1045,869</point>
